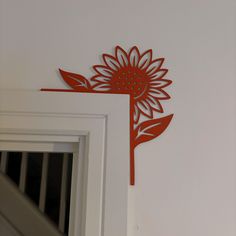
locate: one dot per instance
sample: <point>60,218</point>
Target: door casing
<point>97,125</point>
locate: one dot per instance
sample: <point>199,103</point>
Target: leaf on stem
<point>76,81</point>
<point>151,129</point>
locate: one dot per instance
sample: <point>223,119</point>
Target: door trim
<point>102,120</point>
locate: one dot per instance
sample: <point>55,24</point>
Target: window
<point>45,178</point>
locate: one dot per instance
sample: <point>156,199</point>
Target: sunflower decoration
<point>138,75</point>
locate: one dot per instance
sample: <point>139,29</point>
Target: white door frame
<point>100,123</point>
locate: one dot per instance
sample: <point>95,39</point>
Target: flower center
<point>132,80</point>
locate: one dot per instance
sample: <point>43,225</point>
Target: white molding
<point>102,121</point>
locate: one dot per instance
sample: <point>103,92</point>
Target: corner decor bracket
<point>138,75</point>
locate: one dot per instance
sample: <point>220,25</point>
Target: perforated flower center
<point>131,80</point>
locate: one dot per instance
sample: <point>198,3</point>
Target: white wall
<point>186,179</point>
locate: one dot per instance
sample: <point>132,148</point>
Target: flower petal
<point>102,87</point>
<point>159,74</point>
<point>145,59</point>
<point>155,65</point>
<point>100,79</point>
<point>103,70</point>
<point>136,114</point>
<point>160,83</point>
<point>145,108</point>
<point>155,104</point>
<point>111,62</point>
<point>121,56</point>
<point>158,93</point>
<point>134,56</point>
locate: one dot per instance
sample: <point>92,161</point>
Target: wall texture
<point>186,179</point>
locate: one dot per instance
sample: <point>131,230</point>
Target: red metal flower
<point>137,74</point>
